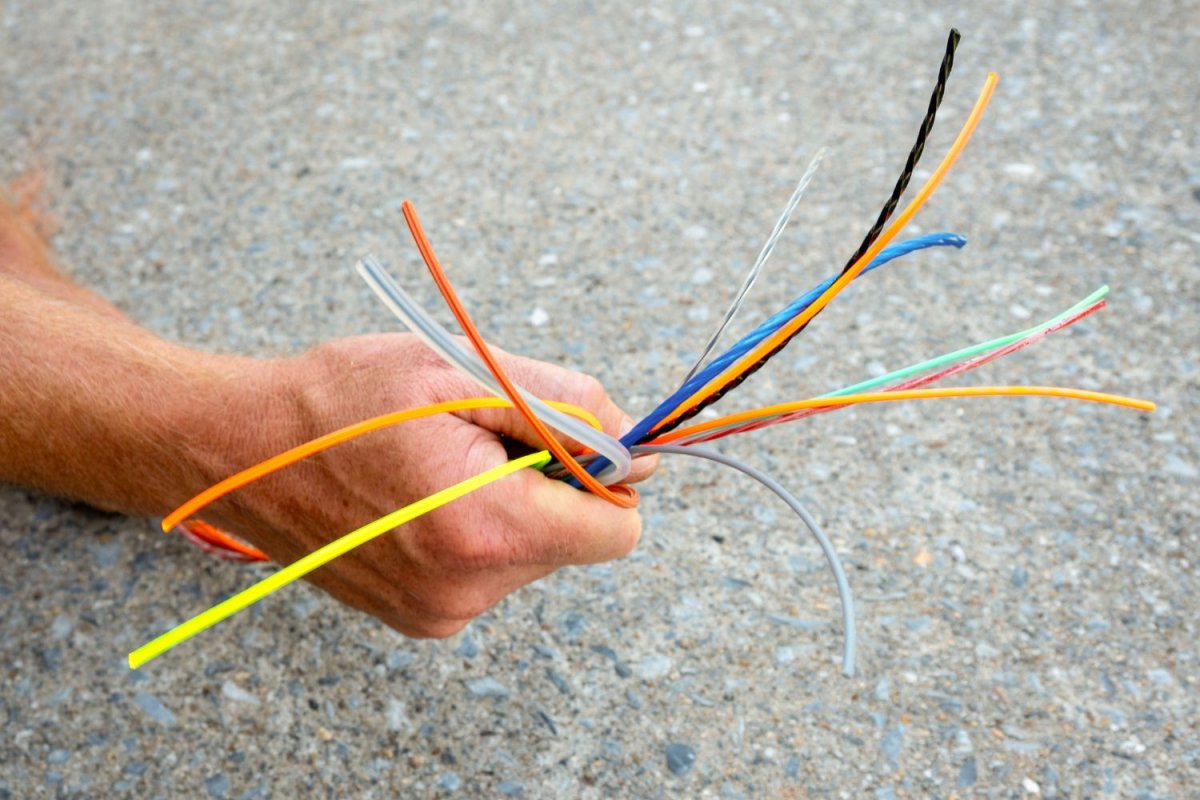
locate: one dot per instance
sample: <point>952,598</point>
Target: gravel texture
<point>598,180</point>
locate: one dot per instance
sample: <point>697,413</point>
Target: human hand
<point>430,577</point>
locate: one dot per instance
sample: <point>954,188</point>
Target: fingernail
<point>625,427</point>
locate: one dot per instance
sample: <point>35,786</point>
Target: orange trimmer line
<point>627,498</point>
<point>908,394</point>
<point>215,537</point>
<point>276,463</point>
<point>802,319</point>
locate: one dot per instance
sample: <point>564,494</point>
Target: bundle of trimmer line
<point>669,427</point>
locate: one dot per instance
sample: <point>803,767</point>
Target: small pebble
<point>217,786</point>
<point>559,682</point>
<point>653,667</point>
<point>796,622</point>
<point>1174,465</point>
<point>680,758</point>
<point>1160,677</point>
<point>467,648</point>
<point>237,693</point>
<point>1020,577</point>
<point>1018,170</point>
<point>106,554</point>
<point>985,650</point>
<point>399,659</point>
<point>51,658</point>
<point>154,708</point>
<point>544,718</point>
<point>968,773</point>
<point>605,651</point>
<point>487,687</point>
<point>61,627</point>
<point>892,743</point>
<point>396,715</point>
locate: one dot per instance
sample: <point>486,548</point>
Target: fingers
<point>549,522</point>
<point>521,536</point>
<point>643,468</point>
<point>525,520</point>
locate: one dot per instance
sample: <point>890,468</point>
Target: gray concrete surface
<point>1026,569</point>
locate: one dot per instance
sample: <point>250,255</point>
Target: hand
<point>428,578</point>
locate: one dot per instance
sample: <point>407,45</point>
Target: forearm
<point>99,410</point>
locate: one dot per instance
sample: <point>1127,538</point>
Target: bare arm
<point>95,408</point>
<point>98,409</point>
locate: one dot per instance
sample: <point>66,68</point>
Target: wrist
<point>227,413</point>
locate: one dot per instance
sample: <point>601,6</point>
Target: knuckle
<point>421,357</point>
<point>436,628</point>
<point>458,606</point>
<point>474,553</point>
<point>441,380</point>
<point>467,608</point>
<point>442,610</point>
<point>590,391</point>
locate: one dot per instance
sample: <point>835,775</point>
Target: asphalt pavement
<point>600,178</point>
